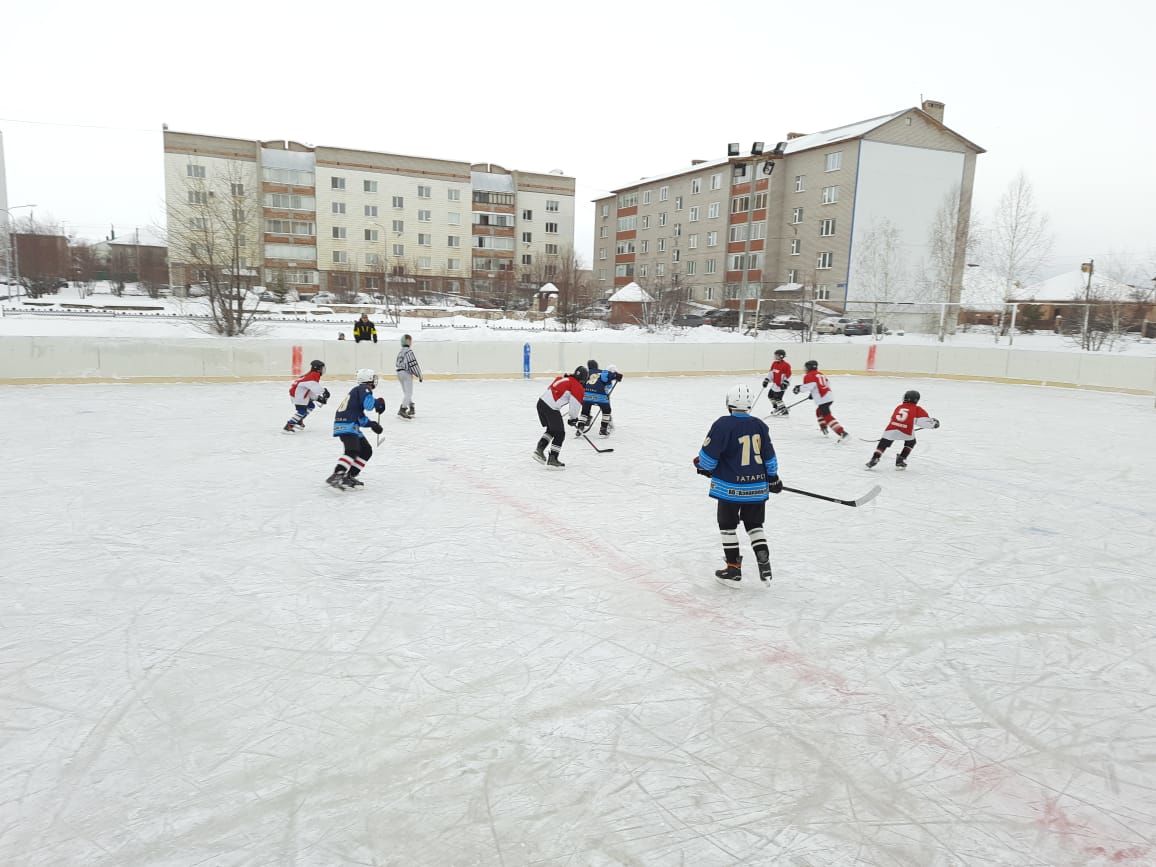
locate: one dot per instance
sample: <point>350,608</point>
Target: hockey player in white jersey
<point>407,369</point>
<point>304,393</point>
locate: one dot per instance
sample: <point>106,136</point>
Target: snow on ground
<point>210,657</point>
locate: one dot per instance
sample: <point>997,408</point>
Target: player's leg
<point>833,424</point>
<point>557,431</point>
<point>753,516</point>
<point>728,524</point>
<point>364,453</point>
<point>607,423</point>
<point>777,401</point>
<point>584,421</point>
<point>901,458</point>
<point>883,445</point>
<point>544,440</point>
<point>349,443</point>
<point>295,420</point>
<point>823,413</point>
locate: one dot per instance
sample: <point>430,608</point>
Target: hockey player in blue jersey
<point>598,385</point>
<point>353,415</point>
<point>740,460</point>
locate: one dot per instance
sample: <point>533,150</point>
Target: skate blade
<point>539,458</point>
<point>728,582</point>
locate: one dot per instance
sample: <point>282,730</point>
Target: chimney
<point>933,108</point>
<point>792,135</point>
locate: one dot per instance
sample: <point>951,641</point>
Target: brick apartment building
<point>350,220</point>
<point>799,213</point>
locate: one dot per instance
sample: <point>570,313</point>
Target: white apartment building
<point>819,206</point>
<point>349,220</point>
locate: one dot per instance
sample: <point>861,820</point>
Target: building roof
<point>548,289</point>
<point>632,293</point>
<point>1071,286</point>
<point>147,238</point>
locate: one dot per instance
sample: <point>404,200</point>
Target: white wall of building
<point>5,251</point>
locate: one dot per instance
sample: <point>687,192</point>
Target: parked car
<point>791,323</point>
<point>688,320</point>
<point>863,326</point>
<point>267,296</point>
<point>833,324</point>
<point>324,298</point>
<point>594,311</point>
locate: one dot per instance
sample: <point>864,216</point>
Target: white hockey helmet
<point>612,368</point>
<point>367,375</point>
<point>740,398</point>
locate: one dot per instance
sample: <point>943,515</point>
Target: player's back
<point>744,448</point>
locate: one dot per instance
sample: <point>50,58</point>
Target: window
<point>827,227</point>
<point>399,249</point>
<point>710,267</point>
<point>398,226</point>
<point>340,257</point>
<point>662,219</point>
<point>527,237</point>
<point>601,252</point>
<point>692,242</point>
<point>527,214</point>
<point>453,264</point>
<point>678,230</point>
<point>198,197</point>
<point>552,249</point>
<point>527,259</point>
<point>694,214</point>
<point>371,234</point>
<point>551,228</point>
<point>624,247</point>
<point>601,273</point>
<point>424,239</point>
<point>195,171</point>
<point>399,201</point>
<point>643,270</point>
<point>696,186</point>
<point>237,189</point>
<point>797,216</point>
<point>372,258</point>
<point>373,282</point>
<point>552,204</point>
<point>625,200</point>
<point>743,262</point>
<point>834,161</point>
<point>792,276</point>
<point>713,210</point>
<point>740,204</point>
<point>678,203</point>
<point>824,261</point>
<point>830,195</point>
<point>663,193</point>
<point>662,245</point>
<point>645,247</point>
<point>424,216</point>
<point>625,224</point>
<point>623,270</point>
<point>716,181</point>
<point>424,263</point>
<point>424,192</point>
<point>339,232</point>
<point>290,202</point>
<point>485,242</point>
<point>602,230</point>
<point>487,218</point>
<point>796,244</point>
<point>676,255</point>
<point>800,183</point>
<point>371,210</point>
<point>288,176</point>
<point>660,269</point>
<point>605,211</point>
<point>453,218</point>
<point>454,196</point>
<point>646,222</point>
<point>337,207</point>
<point>369,186</point>
<point>336,183</point>
<point>291,251</point>
<point>646,197</point>
<point>202,223</point>
<point>708,293</point>
<point>690,268</point>
<point>823,292</point>
<point>711,239</point>
<point>453,240</point>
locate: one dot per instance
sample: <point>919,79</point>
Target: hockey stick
<point>866,498</point>
<point>379,435</point>
<point>787,407</point>
<point>582,433</point>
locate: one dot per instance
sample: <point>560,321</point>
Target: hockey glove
<point>573,422</point>
<point>775,485</point>
<point>379,405</point>
<point>936,422</point>
<point>795,390</point>
<point>375,427</point>
<point>618,377</point>
<point>766,382</point>
<point>698,469</point>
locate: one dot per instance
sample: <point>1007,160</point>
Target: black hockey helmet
<point>780,353</point>
<point>581,373</point>
<point>911,396</point>
<point>593,366</point>
<point>812,365</point>
<point>317,364</point>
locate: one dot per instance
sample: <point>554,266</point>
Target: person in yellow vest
<point>364,329</point>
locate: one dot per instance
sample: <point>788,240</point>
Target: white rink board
<point>212,658</point>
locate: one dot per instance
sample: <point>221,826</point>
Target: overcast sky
<point>606,91</point>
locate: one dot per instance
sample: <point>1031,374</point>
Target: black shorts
<point>551,419</point>
<point>823,410</point>
<point>751,514</point>
<point>356,447</point>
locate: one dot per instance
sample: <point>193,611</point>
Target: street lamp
<point>14,259</point>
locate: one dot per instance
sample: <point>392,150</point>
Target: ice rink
<point>211,658</point>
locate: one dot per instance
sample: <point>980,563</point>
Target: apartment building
<point>814,210</point>
<point>349,220</point>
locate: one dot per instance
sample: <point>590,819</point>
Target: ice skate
<point>335,479</point>
<point>401,413</point>
<point>411,411</point>
<point>731,575</point>
<point>900,464</point>
<point>539,456</point>
<point>289,427</point>
<point>843,437</point>
<point>764,561</point>
<point>604,431</point>
<point>553,463</point>
<point>352,482</point>
<point>823,431</point>
<point>872,463</point>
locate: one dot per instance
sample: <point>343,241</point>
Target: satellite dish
<point>557,172</point>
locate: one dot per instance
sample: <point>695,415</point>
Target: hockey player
<point>351,416</point>
<point>303,393</point>
<point>599,384</point>
<point>564,391</point>
<point>407,369</point>
<point>819,390</point>
<point>740,460</point>
<point>778,379</point>
<point>908,416</point>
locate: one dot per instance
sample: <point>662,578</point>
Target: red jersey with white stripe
<point>906,418</point>
<point>562,391</point>
<point>780,373</point>
<point>306,388</point>
<point>818,387</point>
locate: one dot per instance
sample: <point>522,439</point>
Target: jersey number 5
<point>752,443</point>
<point>901,415</point>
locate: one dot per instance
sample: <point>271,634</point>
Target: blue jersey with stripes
<point>740,457</point>
<point>353,413</point>
<point>598,387</point>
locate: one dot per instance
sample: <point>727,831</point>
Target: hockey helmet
<point>739,397</point>
<point>812,365</point>
<point>581,373</point>
<point>406,340</point>
<point>366,375</point>
<point>911,396</point>
<point>317,364</point>
<point>780,353</point>
<point>611,368</point>
<point>592,365</point>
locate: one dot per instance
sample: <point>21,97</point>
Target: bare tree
<point>1019,240</point>
<point>213,233</point>
<point>86,266</point>
<point>949,239</point>
<point>880,266</point>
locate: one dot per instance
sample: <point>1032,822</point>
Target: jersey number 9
<point>752,447</point>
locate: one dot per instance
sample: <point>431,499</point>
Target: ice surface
<point>209,657</point>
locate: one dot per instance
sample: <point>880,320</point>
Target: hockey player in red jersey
<point>304,391</point>
<point>819,390</point>
<point>778,379</point>
<point>908,416</point>
<point>564,392</point>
